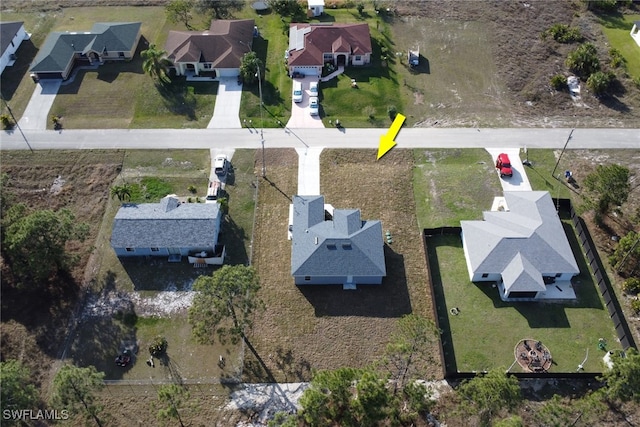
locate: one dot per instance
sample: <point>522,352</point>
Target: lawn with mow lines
<point>453,185</point>
<point>617,28</point>
<point>486,329</point>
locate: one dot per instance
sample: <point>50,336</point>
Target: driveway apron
<point>226,113</point>
<point>37,112</point>
<point>300,117</point>
<point>309,171</point>
<point>519,181</point>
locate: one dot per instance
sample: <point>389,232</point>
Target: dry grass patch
<point>325,327</point>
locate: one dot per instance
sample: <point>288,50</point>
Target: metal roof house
<point>523,247</point>
<point>12,34</point>
<point>107,41</point>
<point>343,250</point>
<point>218,50</point>
<point>313,45</point>
<point>169,228</point>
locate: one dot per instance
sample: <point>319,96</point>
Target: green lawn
<point>617,29</point>
<point>539,173</point>
<point>486,330</point>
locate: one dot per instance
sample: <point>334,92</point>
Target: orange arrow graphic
<point>387,140</point>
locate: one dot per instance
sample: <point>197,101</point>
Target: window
<point>121,54</point>
<point>346,246</point>
<point>485,275</point>
<point>328,57</point>
<point>331,246</point>
<point>155,249</point>
<point>206,66</point>
<point>130,249</point>
<point>358,58</point>
<point>307,278</point>
<point>558,274</point>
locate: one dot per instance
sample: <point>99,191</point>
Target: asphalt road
<point>582,138</point>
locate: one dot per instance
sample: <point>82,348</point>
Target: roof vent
<point>316,240</point>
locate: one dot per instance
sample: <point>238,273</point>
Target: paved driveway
<point>226,113</point>
<point>300,117</point>
<point>519,181</point>
<point>36,114</point>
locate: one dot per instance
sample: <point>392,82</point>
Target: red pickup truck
<point>503,164</point>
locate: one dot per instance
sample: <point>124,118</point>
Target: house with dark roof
<point>311,46</point>
<point>338,249</point>
<point>12,34</point>
<point>107,41</point>
<point>523,247</point>
<point>218,50</point>
<point>169,228</point>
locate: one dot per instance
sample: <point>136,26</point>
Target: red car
<point>503,164</point>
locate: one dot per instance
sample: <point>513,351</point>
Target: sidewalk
<point>309,171</point>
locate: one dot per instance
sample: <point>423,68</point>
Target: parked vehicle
<point>313,105</point>
<point>297,91</point>
<point>313,88</point>
<point>503,164</point>
<point>221,165</point>
<point>414,56</point>
<point>213,192</point>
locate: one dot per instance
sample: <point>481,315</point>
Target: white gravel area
<point>267,399</point>
<point>162,304</point>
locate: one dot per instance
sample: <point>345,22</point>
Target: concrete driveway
<point>226,113</point>
<point>36,114</point>
<point>300,117</point>
<point>519,181</point>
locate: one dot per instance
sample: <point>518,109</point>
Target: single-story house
<point>218,50</point>
<point>169,228</point>
<point>11,36</point>
<point>107,41</point>
<point>311,46</point>
<point>635,32</point>
<point>315,7</point>
<point>521,246</point>
<point>342,250</point>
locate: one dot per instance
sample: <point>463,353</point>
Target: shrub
<point>599,82</point>
<point>559,82</point>
<point>563,33</point>
<point>631,286</point>
<point>616,60</point>
<point>635,306</point>
<point>392,111</point>
<point>7,122</point>
<point>192,189</point>
<point>158,346</point>
<point>584,60</point>
<point>360,8</point>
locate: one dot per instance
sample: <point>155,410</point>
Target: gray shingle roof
<point>165,224</point>
<point>530,228</point>
<point>220,45</point>
<point>8,31</point>
<point>59,47</point>
<point>345,246</point>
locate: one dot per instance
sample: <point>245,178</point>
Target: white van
<point>297,91</point>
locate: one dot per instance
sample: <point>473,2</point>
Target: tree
<point>74,389</point>
<point>179,11</point>
<point>626,256</point>
<point>122,192</point>
<point>623,379</point>
<point>285,7</point>
<point>345,397</point>
<point>221,9</point>
<point>489,393</point>
<point>249,67</point>
<point>155,63</point>
<point>584,60</point>
<point>607,186</point>
<point>172,398</point>
<point>35,242</point>
<point>230,295</point>
<point>411,340</point>
<point>17,392</point>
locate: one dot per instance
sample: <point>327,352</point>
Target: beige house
<point>217,51</point>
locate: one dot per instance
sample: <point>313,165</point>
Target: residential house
<point>107,41</point>
<point>218,51</point>
<point>11,36</point>
<point>342,250</point>
<point>315,7</point>
<point>635,32</point>
<point>311,46</point>
<point>522,246</point>
<point>169,228</point>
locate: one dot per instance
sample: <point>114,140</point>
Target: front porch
<point>204,258</point>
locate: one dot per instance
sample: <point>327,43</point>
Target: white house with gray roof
<point>522,246</point>
<point>107,41</point>
<point>12,34</point>
<point>168,228</point>
<point>339,250</point>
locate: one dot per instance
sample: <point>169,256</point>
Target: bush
<point>192,189</point>
<point>392,111</point>
<point>360,8</point>
<point>584,60</point>
<point>559,82</point>
<point>158,346</point>
<point>599,82</point>
<point>563,33</point>
<point>635,306</point>
<point>631,286</point>
<point>7,122</point>
<point>616,60</point>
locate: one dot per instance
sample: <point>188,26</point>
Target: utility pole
<point>258,75</point>
<point>560,156</point>
<point>16,122</point>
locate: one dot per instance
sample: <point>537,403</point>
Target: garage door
<point>307,71</point>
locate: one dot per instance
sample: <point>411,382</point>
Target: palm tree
<point>122,192</point>
<point>155,63</point>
